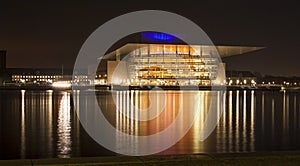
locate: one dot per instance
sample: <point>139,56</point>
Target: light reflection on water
<point>50,118</point>
<point>150,103</point>
<point>23,125</point>
<point>236,131</point>
<point>64,127</point>
<point>43,124</point>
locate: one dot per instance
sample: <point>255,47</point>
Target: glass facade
<point>169,64</point>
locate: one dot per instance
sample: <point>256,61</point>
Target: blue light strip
<point>159,36</point>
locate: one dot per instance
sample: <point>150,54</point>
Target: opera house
<point>158,61</point>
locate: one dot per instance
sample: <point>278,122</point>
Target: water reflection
<point>284,110</point>
<point>171,102</point>
<point>295,110</point>
<point>252,122</point>
<point>49,109</point>
<point>230,122</point>
<point>244,137</point>
<point>237,114</point>
<point>273,116</point>
<point>236,131</point>
<point>64,127</point>
<point>23,125</point>
<point>263,112</point>
<point>36,124</point>
<point>44,125</point>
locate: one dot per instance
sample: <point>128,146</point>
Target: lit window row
<point>160,49</point>
<point>35,76</point>
<point>100,76</point>
<point>81,77</point>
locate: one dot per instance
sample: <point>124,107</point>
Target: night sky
<point>47,35</point>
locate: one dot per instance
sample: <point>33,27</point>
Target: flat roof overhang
<point>224,50</point>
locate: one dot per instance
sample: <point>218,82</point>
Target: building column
<point>118,55</point>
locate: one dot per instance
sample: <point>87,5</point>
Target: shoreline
<point>119,87</point>
<point>245,158</point>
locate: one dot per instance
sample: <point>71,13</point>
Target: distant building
<point>240,78</point>
<point>37,76</point>
<point>281,80</point>
<point>2,60</point>
<point>42,76</point>
<point>2,66</point>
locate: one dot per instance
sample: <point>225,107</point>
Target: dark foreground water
<point>43,124</point>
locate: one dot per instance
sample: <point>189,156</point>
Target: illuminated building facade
<point>37,76</point>
<point>168,64</point>
<point>42,76</point>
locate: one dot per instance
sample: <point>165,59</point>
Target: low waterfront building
<point>40,76</point>
<point>240,78</point>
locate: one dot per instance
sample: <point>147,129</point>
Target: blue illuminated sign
<point>159,36</point>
